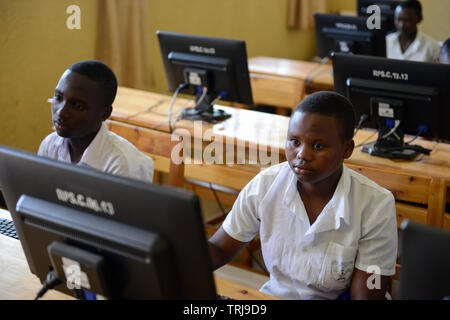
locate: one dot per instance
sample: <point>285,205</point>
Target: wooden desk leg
<point>436,202</point>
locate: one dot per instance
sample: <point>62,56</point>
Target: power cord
<point>51,281</point>
<point>180,87</point>
<point>362,119</point>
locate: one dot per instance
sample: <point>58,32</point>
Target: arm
<point>361,285</point>
<point>223,248</point>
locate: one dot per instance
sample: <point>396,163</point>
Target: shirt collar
<point>413,47</point>
<point>91,154</point>
<point>335,210</point>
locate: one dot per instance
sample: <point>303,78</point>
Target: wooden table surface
<point>320,74</point>
<point>263,129</point>
<point>18,283</point>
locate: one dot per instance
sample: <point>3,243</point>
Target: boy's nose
<point>304,154</point>
<point>62,111</point>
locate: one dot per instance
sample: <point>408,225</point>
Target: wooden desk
<point>18,283</point>
<point>282,82</point>
<point>422,184</point>
<point>250,129</point>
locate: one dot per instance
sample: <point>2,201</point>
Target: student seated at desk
<point>408,43</point>
<point>82,102</point>
<point>323,227</point>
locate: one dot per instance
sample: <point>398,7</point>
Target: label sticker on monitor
<point>76,279</point>
<point>385,110</point>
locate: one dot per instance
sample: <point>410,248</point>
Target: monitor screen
<point>424,262</point>
<point>387,10</point>
<point>209,68</point>
<point>410,96</point>
<point>348,34</point>
<point>125,239</point>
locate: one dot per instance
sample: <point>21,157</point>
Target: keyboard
<point>7,228</point>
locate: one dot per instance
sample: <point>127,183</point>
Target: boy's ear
<point>107,113</point>
<point>349,145</point>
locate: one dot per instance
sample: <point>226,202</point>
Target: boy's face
<point>77,108</point>
<point>406,20</point>
<point>314,147</point>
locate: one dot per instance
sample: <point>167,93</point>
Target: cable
<point>51,281</point>
<point>181,86</point>
<point>397,123</point>
<point>202,97</point>
<point>246,247</point>
<point>367,139</point>
<point>363,118</point>
<point>217,199</point>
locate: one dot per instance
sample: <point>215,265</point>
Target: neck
<point>322,189</point>
<point>77,146</point>
<point>408,37</point>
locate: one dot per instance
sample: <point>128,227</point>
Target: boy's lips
<point>60,126</point>
<point>302,170</point>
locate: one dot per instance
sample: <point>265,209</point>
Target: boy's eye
<point>295,142</point>
<point>57,97</point>
<point>317,146</point>
<point>79,107</point>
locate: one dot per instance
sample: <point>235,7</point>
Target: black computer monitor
<point>424,262</point>
<point>398,97</point>
<point>125,239</point>
<point>348,34</point>
<point>209,68</point>
<point>387,10</point>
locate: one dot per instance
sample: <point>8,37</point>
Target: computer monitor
<point>207,67</point>
<point>348,34</point>
<point>398,97</point>
<point>121,238</point>
<point>387,10</point>
<point>424,262</point>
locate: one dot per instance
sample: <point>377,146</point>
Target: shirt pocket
<point>337,268</point>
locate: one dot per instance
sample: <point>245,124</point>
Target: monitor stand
<point>404,151</point>
<point>204,110</point>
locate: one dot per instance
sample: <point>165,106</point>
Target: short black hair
<point>412,4</point>
<point>100,73</point>
<point>331,104</point>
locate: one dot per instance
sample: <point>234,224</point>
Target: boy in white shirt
<point>82,102</point>
<point>325,230</point>
<point>408,43</point>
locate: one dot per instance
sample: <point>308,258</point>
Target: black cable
<point>246,247</point>
<point>263,268</point>
<point>51,281</point>
<point>217,199</point>
<point>180,87</point>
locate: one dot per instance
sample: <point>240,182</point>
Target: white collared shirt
<point>108,152</point>
<point>357,228</point>
<point>423,48</point>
